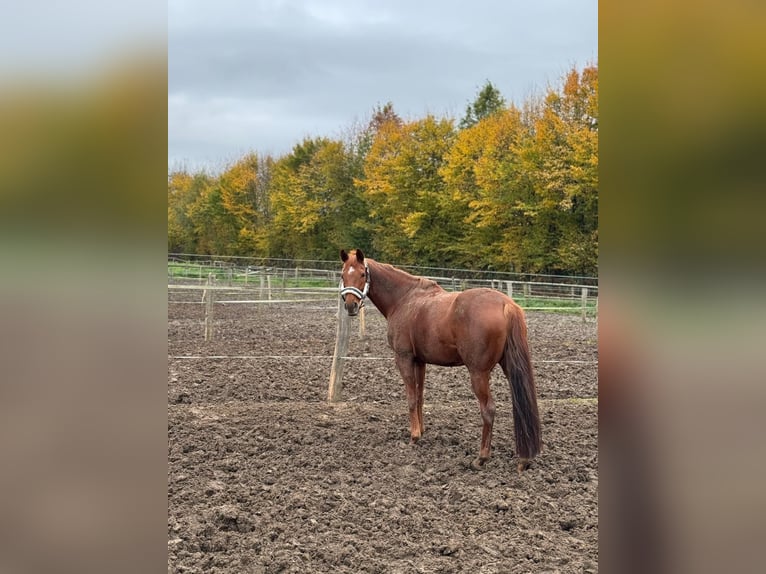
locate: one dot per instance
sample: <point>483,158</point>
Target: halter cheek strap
<point>361,295</point>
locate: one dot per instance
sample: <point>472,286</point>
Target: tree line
<point>508,187</point>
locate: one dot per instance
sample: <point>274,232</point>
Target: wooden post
<point>335,390</point>
<point>526,290</point>
<point>584,302</point>
<point>209,294</point>
<point>509,288</point>
<point>362,327</point>
<point>268,285</point>
<point>595,310</point>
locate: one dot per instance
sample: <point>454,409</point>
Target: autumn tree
<point>244,195</point>
<point>312,199</point>
<point>184,189</point>
<point>214,228</point>
<point>490,191</point>
<point>564,159</point>
<point>404,190</point>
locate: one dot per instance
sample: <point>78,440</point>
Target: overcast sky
<point>260,75</point>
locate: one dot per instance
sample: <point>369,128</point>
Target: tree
<point>488,101</point>
<point>184,190</point>
<point>312,197</point>
<point>243,196</point>
<point>564,157</point>
<point>215,229</point>
<point>403,188</point>
<point>490,191</point>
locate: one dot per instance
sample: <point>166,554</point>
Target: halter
<point>362,295</point>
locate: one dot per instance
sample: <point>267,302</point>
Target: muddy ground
<point>264,475</point>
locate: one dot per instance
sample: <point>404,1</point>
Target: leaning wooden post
<point>209,296</point>
<point>584,302</point>
<point>341,348</point>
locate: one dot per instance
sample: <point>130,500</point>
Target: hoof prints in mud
<point>265,476</point>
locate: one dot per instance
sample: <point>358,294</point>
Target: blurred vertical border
<point>682,383</point>
<point>83,345</point>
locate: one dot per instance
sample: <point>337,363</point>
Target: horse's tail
<point>517,366</point>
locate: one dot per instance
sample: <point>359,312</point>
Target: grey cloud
<point>287,70</point>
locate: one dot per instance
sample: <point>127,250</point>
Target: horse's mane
<point>422,282</point>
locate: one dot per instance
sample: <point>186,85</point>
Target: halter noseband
<point>362,295</point>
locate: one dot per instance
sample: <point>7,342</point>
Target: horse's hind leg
<point>480,385</point>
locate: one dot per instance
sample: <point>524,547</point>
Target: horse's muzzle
<point>352,307</point>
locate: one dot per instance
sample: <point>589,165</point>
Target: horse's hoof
<point>477,464</point>
<point>523,465</point>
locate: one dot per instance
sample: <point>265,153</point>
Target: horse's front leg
<point>411,371</point>
<point>420,379</point>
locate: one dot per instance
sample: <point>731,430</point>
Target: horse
<point>478,328</point>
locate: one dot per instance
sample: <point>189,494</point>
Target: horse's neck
<point>389,286</point>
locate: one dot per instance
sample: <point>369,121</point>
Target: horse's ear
<point>343,255</point>
<point>359,256</point>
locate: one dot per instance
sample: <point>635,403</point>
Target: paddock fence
<point>246,280</point>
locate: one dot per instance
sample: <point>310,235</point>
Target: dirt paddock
<point>264,475</point>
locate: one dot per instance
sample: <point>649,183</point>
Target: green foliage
<point>511,189</point>
<point>488,101</point>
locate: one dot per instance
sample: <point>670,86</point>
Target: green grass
<point>557,305</point>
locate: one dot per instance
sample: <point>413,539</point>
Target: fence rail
<point>245,271</point>
<point>238,280</point>
<point>320,266</point>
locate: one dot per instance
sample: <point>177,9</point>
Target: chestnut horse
<point>478,328</point>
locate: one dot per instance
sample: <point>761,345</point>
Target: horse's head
<point>355,280</point>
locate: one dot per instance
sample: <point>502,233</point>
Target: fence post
<point>584,302</point>
<point>209,296</point>
<point>509,288</point>
<point>268,285</point>
<point>362,327</point>
<point>341,348</point>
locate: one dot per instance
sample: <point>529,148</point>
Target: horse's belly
<point>436,352</point>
